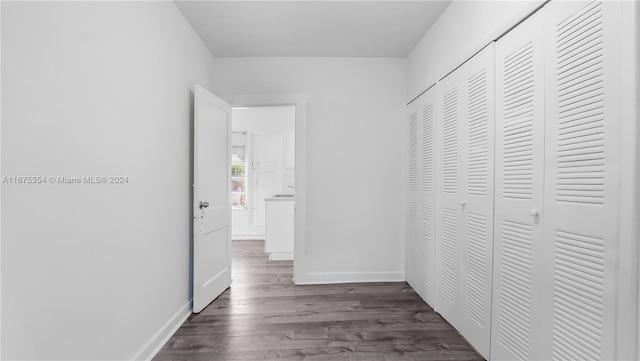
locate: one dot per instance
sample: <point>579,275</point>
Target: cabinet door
<point>452,182</point>
<point>477,199</point>
<point>582,138</point>
<point>519,179</point>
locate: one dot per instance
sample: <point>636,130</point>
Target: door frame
<point>299,100</point>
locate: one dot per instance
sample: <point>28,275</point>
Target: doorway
<point>299,100</point>
<point>263,165</point>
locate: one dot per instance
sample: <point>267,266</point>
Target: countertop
<point>274,198</point>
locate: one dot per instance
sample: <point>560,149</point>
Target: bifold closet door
<point>427,114</point>
<point>519,178</point>
<point>476,202</point>
<point>421,196</point>
<point>452,137</point>
<point>413,225</point>
<point>555,275</point>
<point>465,198</point>
<point>582,140</point>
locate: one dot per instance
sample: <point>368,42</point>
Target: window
<point>239,170</point>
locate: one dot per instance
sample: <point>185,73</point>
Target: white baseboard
<point>349,277</point>
<point>163,335</point>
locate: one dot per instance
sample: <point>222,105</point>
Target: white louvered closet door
<point>477,200</point>
<point>413,196</point>
<point>426,247</point>
<point>452,183</point>
<point>420,257</point>
<point>582,193</point>
<point>519,162</point>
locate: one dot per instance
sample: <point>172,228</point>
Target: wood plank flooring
<point>263,316</point>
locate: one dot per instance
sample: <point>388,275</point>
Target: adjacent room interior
<point>263,164</point>
<point>463,169</point>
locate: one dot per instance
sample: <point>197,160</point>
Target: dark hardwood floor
<point>263,316</point>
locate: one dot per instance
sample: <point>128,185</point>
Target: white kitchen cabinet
<point>279,227</point>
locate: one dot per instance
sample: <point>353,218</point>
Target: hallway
<point>263,316</point>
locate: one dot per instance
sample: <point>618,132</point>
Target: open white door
<point>211,198</point>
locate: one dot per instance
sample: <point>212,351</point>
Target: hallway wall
<point>354,157</point>
<point>96,271</point>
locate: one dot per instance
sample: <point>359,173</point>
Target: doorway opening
<point>263,177</point>
<point>299,102</point>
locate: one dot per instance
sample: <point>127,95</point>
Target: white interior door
<point>211,199</point>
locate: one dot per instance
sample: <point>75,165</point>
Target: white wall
<point>280,119</point>
<point>354,157</point>
<point>96,88</point>
<point>463,29</point>
<point>264,119</point>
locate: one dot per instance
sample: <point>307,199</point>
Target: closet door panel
<point>477,200</point>
<point>452,155</point>
<point>519,136</point>
<point>413,197</point>
<point>421,187</point>
<point>428,174</point>
<point>581,178</point>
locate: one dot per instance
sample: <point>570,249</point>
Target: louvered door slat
<point>413,150</point>
<point>412,243</point>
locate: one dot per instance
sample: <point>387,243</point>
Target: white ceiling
<point>311,28</point>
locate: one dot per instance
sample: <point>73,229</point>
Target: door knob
<point>204,204</point>
<point>534,212</point>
